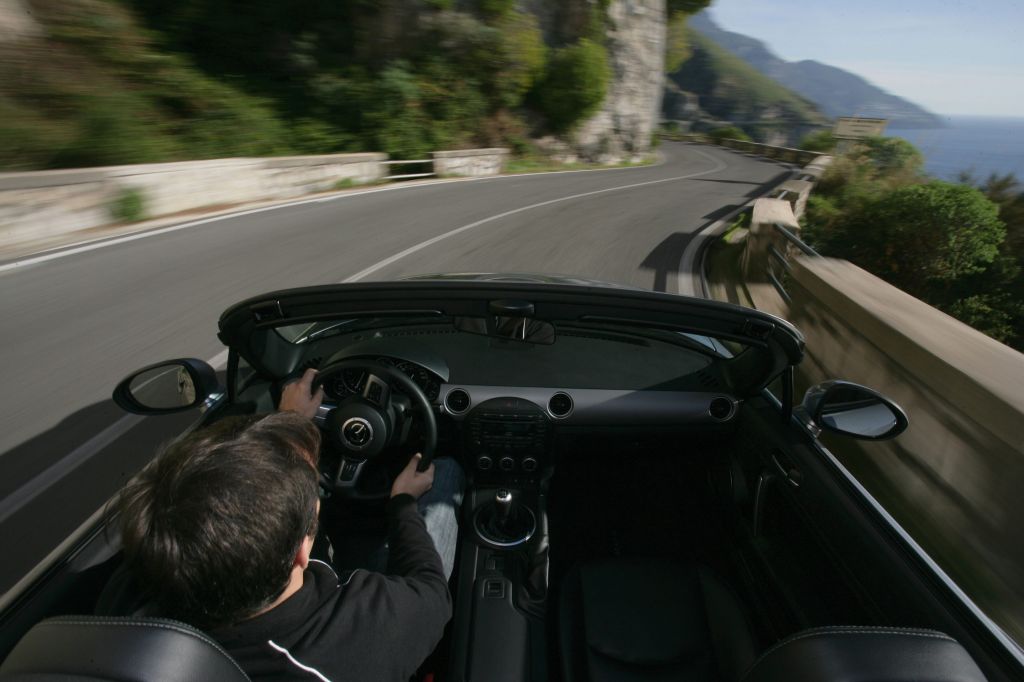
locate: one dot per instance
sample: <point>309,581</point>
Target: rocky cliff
<point>631,109</point>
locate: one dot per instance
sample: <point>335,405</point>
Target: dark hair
<point>212,525</point>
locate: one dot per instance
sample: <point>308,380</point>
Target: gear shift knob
<point>503,501</point>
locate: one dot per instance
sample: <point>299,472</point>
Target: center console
<point>499,628</point>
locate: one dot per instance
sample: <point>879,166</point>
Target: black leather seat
<point>647,619</point>
<point>627,620</point>
<point>79,648</point>
<point>866,654</point>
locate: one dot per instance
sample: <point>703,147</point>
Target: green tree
<point>889,154</point>
<point>575,84</point>
<point>728,133</point>
<point>688,6</point>
<point>922,236</point>
<point>523,57</point>
<point>677,44</point>
<point>819,141</point>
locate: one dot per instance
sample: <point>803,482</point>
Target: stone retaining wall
<point>953,479</point>
<point>42,204</point>
<point>470,162</point>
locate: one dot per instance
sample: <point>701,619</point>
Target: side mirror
<point>853,410</point>
<point>167,387</point>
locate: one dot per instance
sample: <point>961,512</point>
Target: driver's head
<point>212,527</point>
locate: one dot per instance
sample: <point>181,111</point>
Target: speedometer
<point>421,376</point>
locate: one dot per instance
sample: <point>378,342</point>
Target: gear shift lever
<point>506,521</point>
<point>503,505</point>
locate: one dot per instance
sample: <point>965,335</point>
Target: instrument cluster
<point>352,381</point>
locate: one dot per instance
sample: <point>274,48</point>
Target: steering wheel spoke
<point>377,391</point>
<point>348,473</point>
<point>365,426</point>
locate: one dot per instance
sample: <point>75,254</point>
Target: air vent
<point>560,405</point>
<point>721,408</point>
<point>457,401</point>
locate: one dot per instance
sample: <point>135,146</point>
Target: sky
<point>954,57</point>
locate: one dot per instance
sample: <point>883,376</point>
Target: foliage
<point>497,8</point>
<point>820,141</point>
<point>919,236</point>
<point>889,154</point>
<point>687,6</point>
<point>677,46</point>
<point>728,133</point>
<point>129,206</point>
<point>522,60</point>
<point>575,83</point>
<point>951,245</point>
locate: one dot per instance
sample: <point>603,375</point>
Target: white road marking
<point>66,464</point>
<point>719,165</point>
<point>103,242</point>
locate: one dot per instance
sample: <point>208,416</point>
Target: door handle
<point>790,474</point>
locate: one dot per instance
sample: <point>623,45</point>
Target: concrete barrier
<point>953,479</point>
<point>787,154</point>
<point>470,162</point>
<point>44,204</point>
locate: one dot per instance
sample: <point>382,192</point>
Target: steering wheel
<point>364,425</point>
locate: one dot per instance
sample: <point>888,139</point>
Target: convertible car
<point>646,499</point>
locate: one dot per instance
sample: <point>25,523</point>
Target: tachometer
<point>422,377</point>
<point>352,380</point>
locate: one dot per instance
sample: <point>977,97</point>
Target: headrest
<point>866,654</point>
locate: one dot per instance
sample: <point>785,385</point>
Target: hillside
<point>101,82</point>
<point>834,91</point>
<point>731,90</point>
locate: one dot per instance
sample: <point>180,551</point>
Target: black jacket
<point>371,627</point>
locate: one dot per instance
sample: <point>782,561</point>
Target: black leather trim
<point>866,654</point>
<point>104,648</point>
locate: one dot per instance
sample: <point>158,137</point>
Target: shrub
<point>728,133</point>
<point>820,141</point>
<point>497,8</point>
<point>523,57</point>
<point>921,236</point>
<point>677,45</point>
<point>575,84</point>
<point>129,206</point>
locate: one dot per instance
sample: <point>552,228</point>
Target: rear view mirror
<point>167,387</point>
<point>853,410</point>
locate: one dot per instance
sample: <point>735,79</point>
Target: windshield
<point>855,169</point>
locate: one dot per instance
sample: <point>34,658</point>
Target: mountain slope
<point>835,91</point>
<point>731,90</point>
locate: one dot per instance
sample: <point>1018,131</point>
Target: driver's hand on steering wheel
<point>411,481</point>
<point>298,396</point>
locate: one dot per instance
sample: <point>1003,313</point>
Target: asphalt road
<point>75,324</point>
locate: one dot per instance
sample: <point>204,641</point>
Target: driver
<point>221,524</point>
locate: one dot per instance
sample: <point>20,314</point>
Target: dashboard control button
<point>507,464</point>
<point>484,463</point>
<point>529,465</point>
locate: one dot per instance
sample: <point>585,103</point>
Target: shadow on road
<point>69,490</point>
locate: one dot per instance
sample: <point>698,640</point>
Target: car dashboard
<point>502,404</point>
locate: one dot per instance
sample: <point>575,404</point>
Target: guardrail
<point>800,156</point>
<point>953,479</point>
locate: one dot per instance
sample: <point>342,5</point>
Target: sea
<point>981,145</point>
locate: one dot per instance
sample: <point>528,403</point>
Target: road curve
<point>75,324</point>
